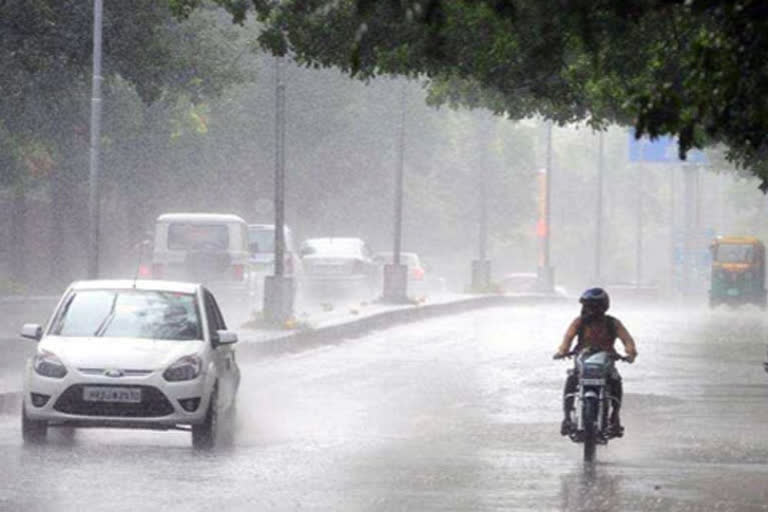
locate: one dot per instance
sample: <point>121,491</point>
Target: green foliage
<point>693,69</point>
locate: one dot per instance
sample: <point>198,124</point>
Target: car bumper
<point>160,405</point>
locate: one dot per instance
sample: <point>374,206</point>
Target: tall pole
<point>639,230</point>
<point>279,167</point>
<point>93,178</point>
<point>548,197</point>
<point>395,282</point>
<point>483,238</point>
<point>399,181</point>
<point>546,278</point>
<point>599,208</point>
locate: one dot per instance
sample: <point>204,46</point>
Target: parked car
<point>261,245</point>
<point>132,354</point>
<point>339,262</point>
<point>205,248</point>
<point>419,281</point>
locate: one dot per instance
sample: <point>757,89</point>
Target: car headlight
<point>48,364</point>
<point>186,368</point>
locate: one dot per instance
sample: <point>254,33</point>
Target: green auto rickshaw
<point>738,272</point>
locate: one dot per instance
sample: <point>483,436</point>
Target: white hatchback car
<point>132,354</point>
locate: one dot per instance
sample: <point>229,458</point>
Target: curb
<point>338,333</point>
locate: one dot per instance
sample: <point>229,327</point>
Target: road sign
<point>662,150</point>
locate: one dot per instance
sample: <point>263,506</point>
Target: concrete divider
<point>339,332</point>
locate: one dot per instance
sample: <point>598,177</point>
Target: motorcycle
<point>592,401</point>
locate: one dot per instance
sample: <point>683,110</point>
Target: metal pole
<point>93,179</point>
<point>547,198</point>
<point>672,231</point>
<point>279,168</point>
<point>599,208</point>
<point>639,228</point>
<point>399,181</point>
<point>483,238</point>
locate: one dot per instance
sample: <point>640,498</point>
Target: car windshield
<point>261,240</point>
<point>191,236</point>
<point>734,253</point>
<point>129,313</point>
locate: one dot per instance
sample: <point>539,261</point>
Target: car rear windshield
<point>734,253</point>
<point>261,240</point>
<point>409,259</point>
<point>129,313</point>
<point>191,236</point>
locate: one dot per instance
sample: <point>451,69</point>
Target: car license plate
<point>733,292</point>
<point>592,382</point>
<point>108,394</point>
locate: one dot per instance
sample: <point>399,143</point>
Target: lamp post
<point>599,210</point>
<point>93,175</point>
<point>396,274</point>
<point>546,274</point>
<point>279,288</point>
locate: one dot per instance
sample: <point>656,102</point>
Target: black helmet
<point>596,296</point>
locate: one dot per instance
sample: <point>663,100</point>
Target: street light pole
<point>396,274</point>
<point>546,279</point>
<point>279,288</point>
<point>279,167</point>
<point>599,209</point>
<point>93,177</point>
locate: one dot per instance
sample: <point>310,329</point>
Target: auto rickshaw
<point>738,272</point>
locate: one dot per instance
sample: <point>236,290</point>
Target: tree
<point>46,56</point>
<point>690,68</point>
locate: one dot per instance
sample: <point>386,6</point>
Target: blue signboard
<point>661,150</point>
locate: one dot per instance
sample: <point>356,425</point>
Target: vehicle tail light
<point>417,273</point>
<point>238,272</point>
<point>145,271</point>
<point>157,270</point>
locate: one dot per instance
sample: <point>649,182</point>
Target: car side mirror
<point>32,331</point>
<point>225,337</point>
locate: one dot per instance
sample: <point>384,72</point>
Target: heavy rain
<point>395,255</point>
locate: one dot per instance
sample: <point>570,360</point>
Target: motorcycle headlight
<point>186,368</point>
<point>48,364</point>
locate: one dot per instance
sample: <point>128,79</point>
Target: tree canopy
<point>690,68</point>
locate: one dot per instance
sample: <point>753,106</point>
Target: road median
<point>255,344</point>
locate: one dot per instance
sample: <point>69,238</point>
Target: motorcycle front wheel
<point>590,429</point>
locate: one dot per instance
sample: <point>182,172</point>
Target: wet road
<point>458,413</point>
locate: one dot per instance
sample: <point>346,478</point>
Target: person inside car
<point>595,331</point>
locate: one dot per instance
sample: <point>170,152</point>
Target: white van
<point>206,248</point>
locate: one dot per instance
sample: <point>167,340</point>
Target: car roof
<point>737,240</point>
<point>139,284</point>
<point>266,226</point>
<point>389,254</point>
<point>330,241</point>
<point>200,217</point>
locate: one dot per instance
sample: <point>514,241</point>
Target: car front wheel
<point>204,434</point>
<point>32,431</point>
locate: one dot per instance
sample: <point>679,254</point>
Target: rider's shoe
<point>615,429</point>
<point>565,427</point>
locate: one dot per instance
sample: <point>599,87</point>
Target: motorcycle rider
<point>595,331</point>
